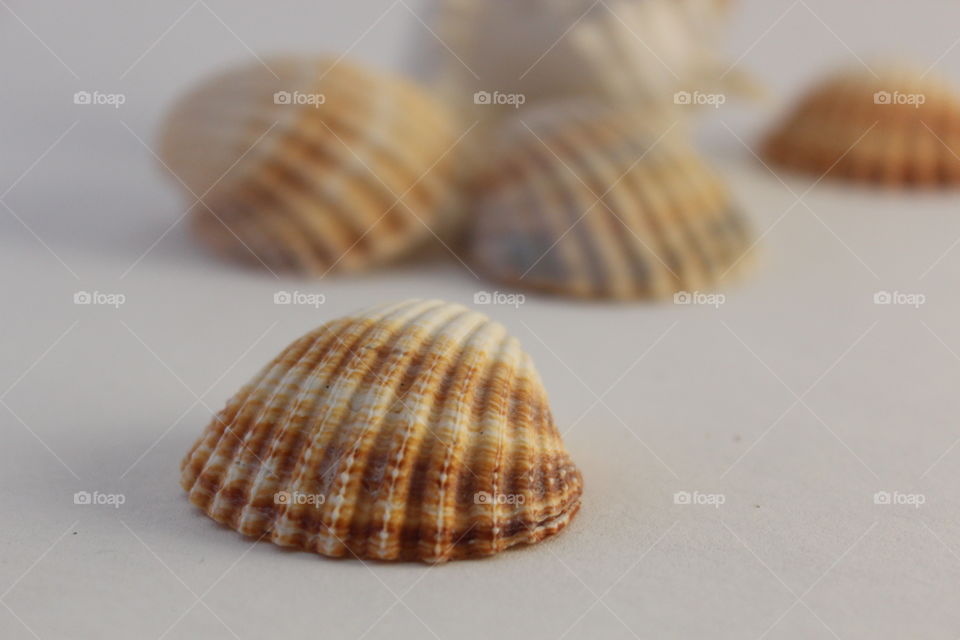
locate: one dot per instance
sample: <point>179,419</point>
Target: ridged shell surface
<point>415,431</point>
<point>585,201</point>
<point>313,165</point>
<point>638,51</point>
<point>900,128</point>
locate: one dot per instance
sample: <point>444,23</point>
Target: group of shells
<point>590,188</point>
<point>421,430</point>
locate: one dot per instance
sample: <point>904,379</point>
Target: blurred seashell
<point>489,52</point>
<point>313,165</point>
<point>899,128</point>
<point>414,431</point>
<point>586,201</point>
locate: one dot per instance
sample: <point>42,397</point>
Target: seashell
<point>592,202</point>
<point>313,165</point>
<point>899,128</point>
<point>414,431</point>
<point>633,51</point>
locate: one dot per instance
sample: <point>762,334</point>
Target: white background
<point>797,400</point>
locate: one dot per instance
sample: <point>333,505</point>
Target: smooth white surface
<point>654,399</point>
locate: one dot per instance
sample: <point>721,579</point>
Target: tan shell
<point>325,166</point>
<point>859,127</point>
<point>585,201</point>
<point>405,421</point>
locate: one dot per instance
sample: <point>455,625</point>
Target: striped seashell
<point>899,128</point>
<point>636,51</point>
<point>591,202</point>
<point>313,165</point>
<point>415,431</point>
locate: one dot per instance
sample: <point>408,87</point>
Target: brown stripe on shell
<point>605,222</point>
<point>356,375</point>
<point>402,460</point>
<point>381,381</point>
<point>578,202</point>
<point>640,244</point>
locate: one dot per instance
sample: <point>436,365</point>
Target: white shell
<point>620,50</point>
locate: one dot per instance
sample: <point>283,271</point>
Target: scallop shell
<point>545,50</point>
<point>591,202</point>
<point>313,165</point>
<point>416,431</point>
<point>859,127</point>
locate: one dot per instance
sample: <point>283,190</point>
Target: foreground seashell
<point>494,56</point>
<point>417,431</point>
<point>585,201</point>
<point>313,165</point>
<point>898,129</point>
